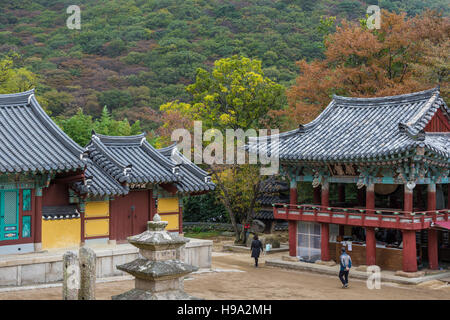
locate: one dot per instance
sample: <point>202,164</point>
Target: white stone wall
<point>40,268</point>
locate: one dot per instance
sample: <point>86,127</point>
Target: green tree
<point>79,127</point>
<point>235,94</point>
<point>15,79</point>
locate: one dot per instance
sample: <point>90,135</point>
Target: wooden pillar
<point>324,227</point>
<point>371,243</point>
<point>370,197</point>
<point>408,199</point>
<point>38,221</point>
<point>432,234</point>
<point>293,192</point>
<point>341,192</point>
<point>292,223</point>
<point>292,238</point>
<point>371,247</point>
<point>409,251</point>
<point>317,196</point>
<point>324,239</point>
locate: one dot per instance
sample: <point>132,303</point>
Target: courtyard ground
<point>244,281</point>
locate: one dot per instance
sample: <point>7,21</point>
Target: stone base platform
<point>386,276</point>
<point>46,266</point>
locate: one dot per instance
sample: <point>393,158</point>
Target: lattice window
<point>10,216</point>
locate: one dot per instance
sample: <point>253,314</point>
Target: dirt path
<point>261,283</point>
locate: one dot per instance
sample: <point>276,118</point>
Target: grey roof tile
<point>194,179</point>
<point>31,141</point>
<point>354,129</point>
<point>119,161</point>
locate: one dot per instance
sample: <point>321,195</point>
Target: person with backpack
<point>256,249</point>
<point>345,264</point>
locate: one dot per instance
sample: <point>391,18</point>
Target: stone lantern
<point>158,274</point>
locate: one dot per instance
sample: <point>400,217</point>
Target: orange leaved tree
<point>404,55</point>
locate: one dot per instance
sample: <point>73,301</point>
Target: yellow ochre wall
<point>96,209</point>
<point>96,227</point>
<point>61,233</point>
<point>166,205</point>
<point>172,219</point>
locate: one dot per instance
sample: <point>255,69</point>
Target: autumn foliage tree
<point>404,55</point>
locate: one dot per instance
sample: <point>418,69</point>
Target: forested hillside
<point>135,55</point>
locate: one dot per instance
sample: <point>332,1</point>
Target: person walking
<point>256,249</point>
<point>346,264</point>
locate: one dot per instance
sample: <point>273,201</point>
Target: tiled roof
<point>31,141</point>
<point>100,183</point>
<point>358,129</point>
<point>192,178</point>
<point>268,200</point>
<point>272,185</point>
<point>118,162</point>
<point>264,215</point>
<point>60,212</point>
<point>131,159</point>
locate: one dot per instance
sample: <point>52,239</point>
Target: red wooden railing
<point>382,218</point>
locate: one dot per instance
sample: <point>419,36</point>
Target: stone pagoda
<point>159,274</point>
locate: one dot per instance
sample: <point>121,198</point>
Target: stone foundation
<point>43,268</point>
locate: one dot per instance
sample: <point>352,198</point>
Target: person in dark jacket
<point>256,248</point>
<point>346,264</point>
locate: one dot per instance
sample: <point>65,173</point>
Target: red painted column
<point>370,197</point>
<point>409,251</point>
<point>38,221</point>
<point>317,195</point>
<point>292,238</point>
<point>371,247</point>
<point>432,234</point>
<point>324,245</point>
<point>371,243</point>
<point>292,223</point>
<point>408,199</point>
<point>324,227</point>
<point>409,236</point>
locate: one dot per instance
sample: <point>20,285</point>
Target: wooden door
<point>9,215</point>
<point>140,210</point>
<point>129,214</point>
<point>121,222</point>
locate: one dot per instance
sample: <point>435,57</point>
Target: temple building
<point>130,181</point>
<point>56,194</point>
<point>272,191</point>
<point>38,163</point>
<point>379,170</point>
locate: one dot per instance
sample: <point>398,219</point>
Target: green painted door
<point>9,215</point>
